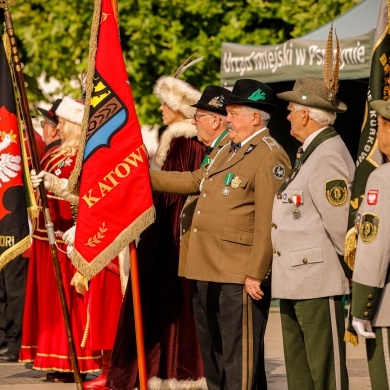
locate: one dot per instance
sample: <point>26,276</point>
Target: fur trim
<point>177,94</point>
<point>173,384</point>
<point>71,110</point>
<point>178,129</point>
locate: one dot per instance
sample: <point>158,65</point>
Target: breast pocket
<point>235,191</point>
<point>306,257</point>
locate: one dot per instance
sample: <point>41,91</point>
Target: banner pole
<point>42,191</point>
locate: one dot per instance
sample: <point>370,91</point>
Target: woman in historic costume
<point>44,340</point>
<point>171,345</point>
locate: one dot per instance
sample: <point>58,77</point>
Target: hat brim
<point>311,100</point>
<point>237,100</point>
<point>206,107</point>
<point>48,115</point>
<point>382,107</point>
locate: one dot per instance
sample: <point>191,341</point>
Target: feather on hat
<point>71,110</point>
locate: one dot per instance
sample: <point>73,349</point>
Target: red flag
<point>116,202</point>
<point>14,229</point>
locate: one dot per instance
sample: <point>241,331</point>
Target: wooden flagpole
<point>135,288</point>
<point>42,191</point>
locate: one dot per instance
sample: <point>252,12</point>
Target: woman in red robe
<point>172,350</point>
<point>44,338</point>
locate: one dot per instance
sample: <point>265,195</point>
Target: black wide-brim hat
<point>311,92</point>
<point>252,93</point>
<point>213,99</point>
<point>51,114</point>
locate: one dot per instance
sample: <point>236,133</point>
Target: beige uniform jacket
<point>309,223</point>
<point>230,232</point>
<point>370,289</point>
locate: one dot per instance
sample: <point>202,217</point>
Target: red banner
<point>116,202</point>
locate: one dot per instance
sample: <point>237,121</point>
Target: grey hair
<point>322,117</point>
<point>265,117</point>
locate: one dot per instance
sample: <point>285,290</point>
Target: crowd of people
<point>236,224</point>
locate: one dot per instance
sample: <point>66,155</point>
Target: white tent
<point>280,65</point>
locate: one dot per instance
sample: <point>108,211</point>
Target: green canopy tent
<point>280,65</point>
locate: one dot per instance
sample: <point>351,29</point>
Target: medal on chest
<point>297,200</point>
<point>228,181</point>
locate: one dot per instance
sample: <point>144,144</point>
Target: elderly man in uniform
<point>371,275</point>
<point>230,243</point>
<point>309,223</point>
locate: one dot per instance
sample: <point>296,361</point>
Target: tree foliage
<point>157,36</point>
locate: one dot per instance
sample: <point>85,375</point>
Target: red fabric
<point>115,167</point>
<point>171,344</point>
<point>44,337</point>
<point>105,300</point>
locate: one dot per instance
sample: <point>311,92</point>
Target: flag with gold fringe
<point>112,168</point>
<point>369,156</point>
<point>16,195</point>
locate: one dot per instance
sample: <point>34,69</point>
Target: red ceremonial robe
<point>44,337</point>
<point>171,344</point>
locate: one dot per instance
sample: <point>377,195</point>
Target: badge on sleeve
<point>279,172</point>
<point>372,197</point>
<point>336,192</point>
<point>368,227</point>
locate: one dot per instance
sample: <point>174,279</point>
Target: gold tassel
<point>350,337</point>
<point>350,248</point>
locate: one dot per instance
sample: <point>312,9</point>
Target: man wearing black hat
<point>49,125</point>
<point>230,243</point>
<point>309,224</point>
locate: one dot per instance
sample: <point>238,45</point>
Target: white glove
<point>69,235</point>
<point>363,328</point>
<point>45,176</point>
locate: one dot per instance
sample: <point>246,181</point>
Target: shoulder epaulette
<point>271,143</point>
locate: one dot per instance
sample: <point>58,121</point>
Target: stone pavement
<point>14,376</point>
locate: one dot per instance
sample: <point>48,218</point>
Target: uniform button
<point>369,305</point>
<point>366,314</point>
<point>273,225</point>
<point>198,212</point>
<point>278,253</point>
<point>274,251</point>
<point>184,230</point>
<point>289,200</point>
<point>370,296</point>
<point>195,230</point>
<point>183,215</point>
<point>279,196</point>
<point>211,179</point>
<point>204,195</point>
<point>304,261</point>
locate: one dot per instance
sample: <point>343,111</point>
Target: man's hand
<point>363,328</point>
<point>252,287</point>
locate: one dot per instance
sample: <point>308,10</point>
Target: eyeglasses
<point>196,116</point>
<point>48,122</point>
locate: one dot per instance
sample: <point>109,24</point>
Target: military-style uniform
<point>370,287</point>
<point>309,223</point>
<point>230,240</point>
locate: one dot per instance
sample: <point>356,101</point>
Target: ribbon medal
<point>228,180</point>
<point>297,199</point>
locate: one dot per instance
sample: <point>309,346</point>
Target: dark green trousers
<point>378,356</point>
<point>314,349</point>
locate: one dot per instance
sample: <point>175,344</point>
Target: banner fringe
<point>89,270</point>
<point>14,251</point>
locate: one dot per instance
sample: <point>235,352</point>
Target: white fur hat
<point>177,94</point>
<point>71,110</point>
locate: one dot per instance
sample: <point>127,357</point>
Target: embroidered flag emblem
<point>372,197</point>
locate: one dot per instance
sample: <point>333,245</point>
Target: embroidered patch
<point>279,172</point>
<point>372,197</point>
<point>336,192</point>
<point>368,227</point>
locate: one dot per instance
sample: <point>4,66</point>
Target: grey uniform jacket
<point>230,237</point>
<point>370,293</point>
<point>309,223</point>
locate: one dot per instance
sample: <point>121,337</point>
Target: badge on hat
<point>257,95</point>
<point>336,192</point>
<point>369,227</point>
